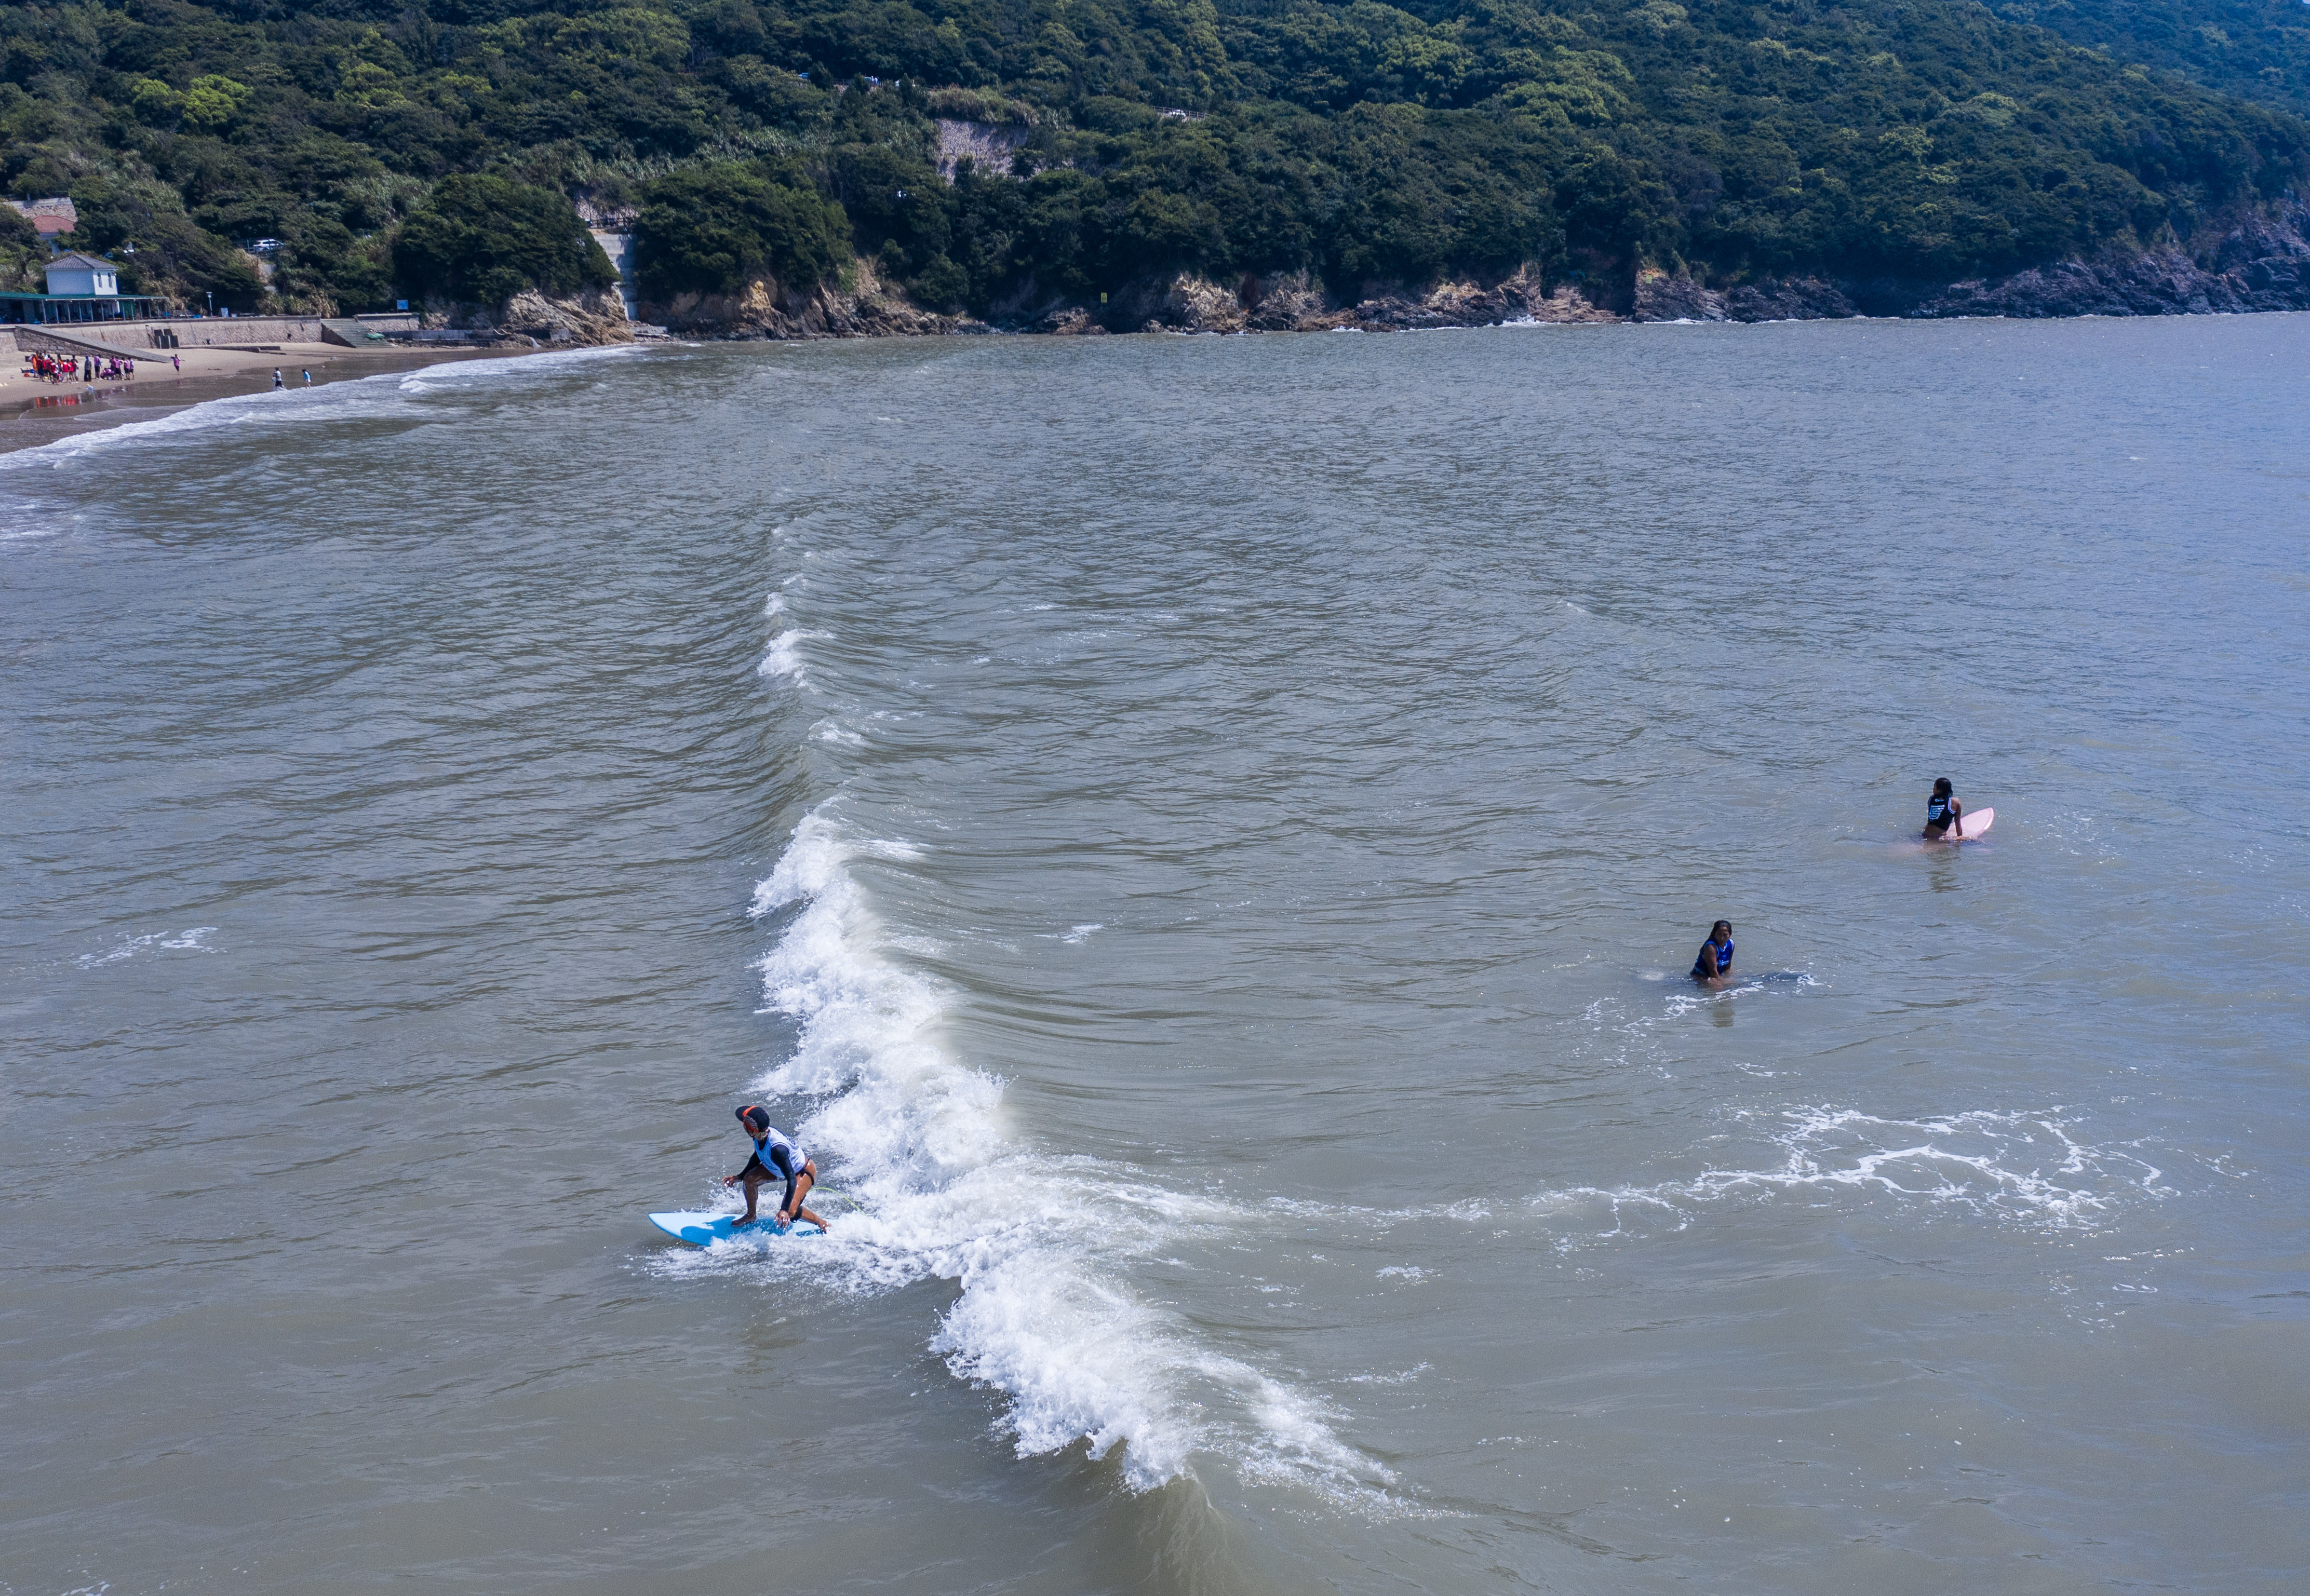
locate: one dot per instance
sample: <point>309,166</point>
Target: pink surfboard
<point>1977,822</point>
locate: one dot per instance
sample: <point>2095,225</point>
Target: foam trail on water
<point>2016,1168</point>
<point>1042,1244</point>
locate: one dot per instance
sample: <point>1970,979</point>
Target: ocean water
<point>1201,839</point>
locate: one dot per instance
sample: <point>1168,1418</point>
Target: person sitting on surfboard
<point>1714,968</point>
<point>775,1158</point>
<point>1943,811</point>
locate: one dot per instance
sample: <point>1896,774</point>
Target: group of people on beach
<point>1944,817</point>
<point>84,369</point>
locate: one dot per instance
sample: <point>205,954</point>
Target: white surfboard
<point>1975,821</point>
<point>701,1229</point>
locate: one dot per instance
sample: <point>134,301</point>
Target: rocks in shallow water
<point>1071,321</point>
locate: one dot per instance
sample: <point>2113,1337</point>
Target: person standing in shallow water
<point>1713,966</point>
<point>1944,812</point>
<point>775,1158</point>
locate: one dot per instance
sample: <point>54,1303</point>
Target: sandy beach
<point>35,411</point>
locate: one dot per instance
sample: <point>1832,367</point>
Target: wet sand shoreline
<point>34,412</point>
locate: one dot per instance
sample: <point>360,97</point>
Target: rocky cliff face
<point>766,309</point>
<point>597,316</point>
<point>1296,303</point>
<point>2246,260</point>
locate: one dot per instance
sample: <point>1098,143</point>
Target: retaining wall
<point>57,340</point>
<point>141,338</point>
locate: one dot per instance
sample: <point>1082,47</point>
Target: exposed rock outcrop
<point>1452,305</point>
<point>766,309</point>
<point>987,145</point>
<point>596,316</point>
<point>2249,260</point>
<point>1660,296</point>
<point>1285,303</point>
<point>1296,303</point>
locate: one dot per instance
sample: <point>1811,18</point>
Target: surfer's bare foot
<point>742,1224</point>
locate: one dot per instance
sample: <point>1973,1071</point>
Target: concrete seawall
<point>146,338</point>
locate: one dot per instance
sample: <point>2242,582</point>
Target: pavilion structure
<point>82,288</point>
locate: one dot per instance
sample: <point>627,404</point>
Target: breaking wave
<point>928,1181</point>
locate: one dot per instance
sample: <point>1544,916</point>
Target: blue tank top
<point>1937,811</point>
<point>1723,959</point>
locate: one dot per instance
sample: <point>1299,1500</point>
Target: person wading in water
<point>1714,968</point>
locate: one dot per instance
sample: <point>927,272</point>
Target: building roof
<point>56,214</point>
<point>75,258</point>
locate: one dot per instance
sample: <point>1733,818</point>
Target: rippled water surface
<point>1201,839</point>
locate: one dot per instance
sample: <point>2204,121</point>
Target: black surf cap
<point>754,1119</point>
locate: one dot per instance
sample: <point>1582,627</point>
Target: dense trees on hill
<point>1360,141</point>
<point>709,230</point>
<point>481,239</point>
<point>2257,49</point>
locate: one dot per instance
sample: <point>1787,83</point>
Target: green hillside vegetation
<point>1919,139</point>
<point>2257,49</point>
<point>481,239</point>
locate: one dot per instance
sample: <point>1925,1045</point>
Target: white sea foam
<point>936,1185</point>
<point>784,657</point>
<point>130,947</point>
<point>2016,1168</point>
<point>1743,986</point>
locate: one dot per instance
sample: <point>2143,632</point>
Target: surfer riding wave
<point>775,1158</point>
